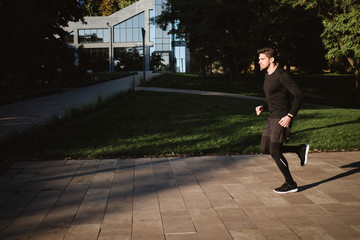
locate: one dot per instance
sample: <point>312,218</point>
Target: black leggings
<point>276,150</point>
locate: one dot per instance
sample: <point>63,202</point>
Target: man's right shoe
<point>303,154</point>
<point>287,188</point>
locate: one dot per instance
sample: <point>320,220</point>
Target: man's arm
<point>294,89</point>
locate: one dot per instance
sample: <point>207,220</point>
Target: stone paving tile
<point>182,236</point>
<point>60,216</point>
<point>171,199</point>
<point>253,234</point>
<point>116,226</point>
<point>208,225</point>
<point>147,225</point>
<point>207,197</point>
<point>235,219</point>
<point>50,233</point>
<point>86,231</point>
<point>177,222</point>
<point>280,231</point>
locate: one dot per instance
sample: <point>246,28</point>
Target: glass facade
<point>161,52</point>
<point>128,59</point>
<point>96,59</point>
<point>161,39</point>
<point>180,59</point>
<point>119,49</point>
<point>98,35</point>
<point>130,29</point>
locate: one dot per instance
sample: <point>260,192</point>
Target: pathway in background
<point>19,115</point>
<point>199,92</point>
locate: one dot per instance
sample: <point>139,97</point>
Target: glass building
<point>115,42</point>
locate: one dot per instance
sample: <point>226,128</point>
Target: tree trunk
<point>236,67</point>
<point>352,63</point>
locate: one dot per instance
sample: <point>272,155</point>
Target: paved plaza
<point>181,198</point>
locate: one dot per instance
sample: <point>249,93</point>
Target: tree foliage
<point>104,7</point>
<point>229,32</point>
<point>341,35</point>
<point>34,40</point>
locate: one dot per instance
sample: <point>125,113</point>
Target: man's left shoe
<point>286,188</point>
<point>303,154</point>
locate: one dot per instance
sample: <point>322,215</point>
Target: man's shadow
<point>355,165</point>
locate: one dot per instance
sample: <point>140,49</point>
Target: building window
<point>96,59</point>
<point>96,35</point>
<point>161,38</point>
<point>128,59</point>
<point>130,29</point>
<point>180,59</point>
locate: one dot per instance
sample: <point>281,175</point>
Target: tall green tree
<point>91,7</point>
<point>341,20</point>
<point>34,39</point>
<point>104,7</point>
<point>229,31</point>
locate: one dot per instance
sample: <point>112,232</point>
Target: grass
<point>249,85</point>
<point>94,78</point>
<point>328,89</point>
<point>167,124</point>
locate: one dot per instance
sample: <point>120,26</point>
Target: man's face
<point>264,61</point>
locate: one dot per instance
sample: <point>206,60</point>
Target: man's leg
<point>301,150</point>
<point>281,162</point>
<point>265,138</point>
<point>276,150</point>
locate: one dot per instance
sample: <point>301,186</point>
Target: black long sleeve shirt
<point>277,87</point>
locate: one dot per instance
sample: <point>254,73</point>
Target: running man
<point>278,85</point>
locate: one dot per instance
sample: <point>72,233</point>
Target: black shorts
<point>275,132</point>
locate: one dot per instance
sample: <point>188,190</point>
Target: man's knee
<point>275,149</point>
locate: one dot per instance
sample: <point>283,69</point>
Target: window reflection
<point>96,35</point>
<point>130,29</point>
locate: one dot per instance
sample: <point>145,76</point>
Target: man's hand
<point>259,109</point>
<point>285,121</point>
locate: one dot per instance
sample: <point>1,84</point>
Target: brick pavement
<point>208,197</point>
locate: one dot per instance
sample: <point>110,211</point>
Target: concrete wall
<point>109,22</point>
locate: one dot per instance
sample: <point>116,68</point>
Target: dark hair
<point>269,52</point>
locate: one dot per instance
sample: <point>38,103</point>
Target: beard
<point>264,67</point>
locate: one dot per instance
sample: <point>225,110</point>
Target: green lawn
<point>328,89</point>
<point>168,124</point>
<point>12,96</point>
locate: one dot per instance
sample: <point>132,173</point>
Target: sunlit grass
<point>168,124</point>
<point>328,89</point>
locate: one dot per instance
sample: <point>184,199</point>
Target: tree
<point>104,7</point>
<point>91,7</point>
<point>341,20</point>
<point>229,32</point>
<point>34,39</point>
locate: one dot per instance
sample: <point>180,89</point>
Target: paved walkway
<point>198,92</point>
<point>17,116</point>
<point>209,197</point>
